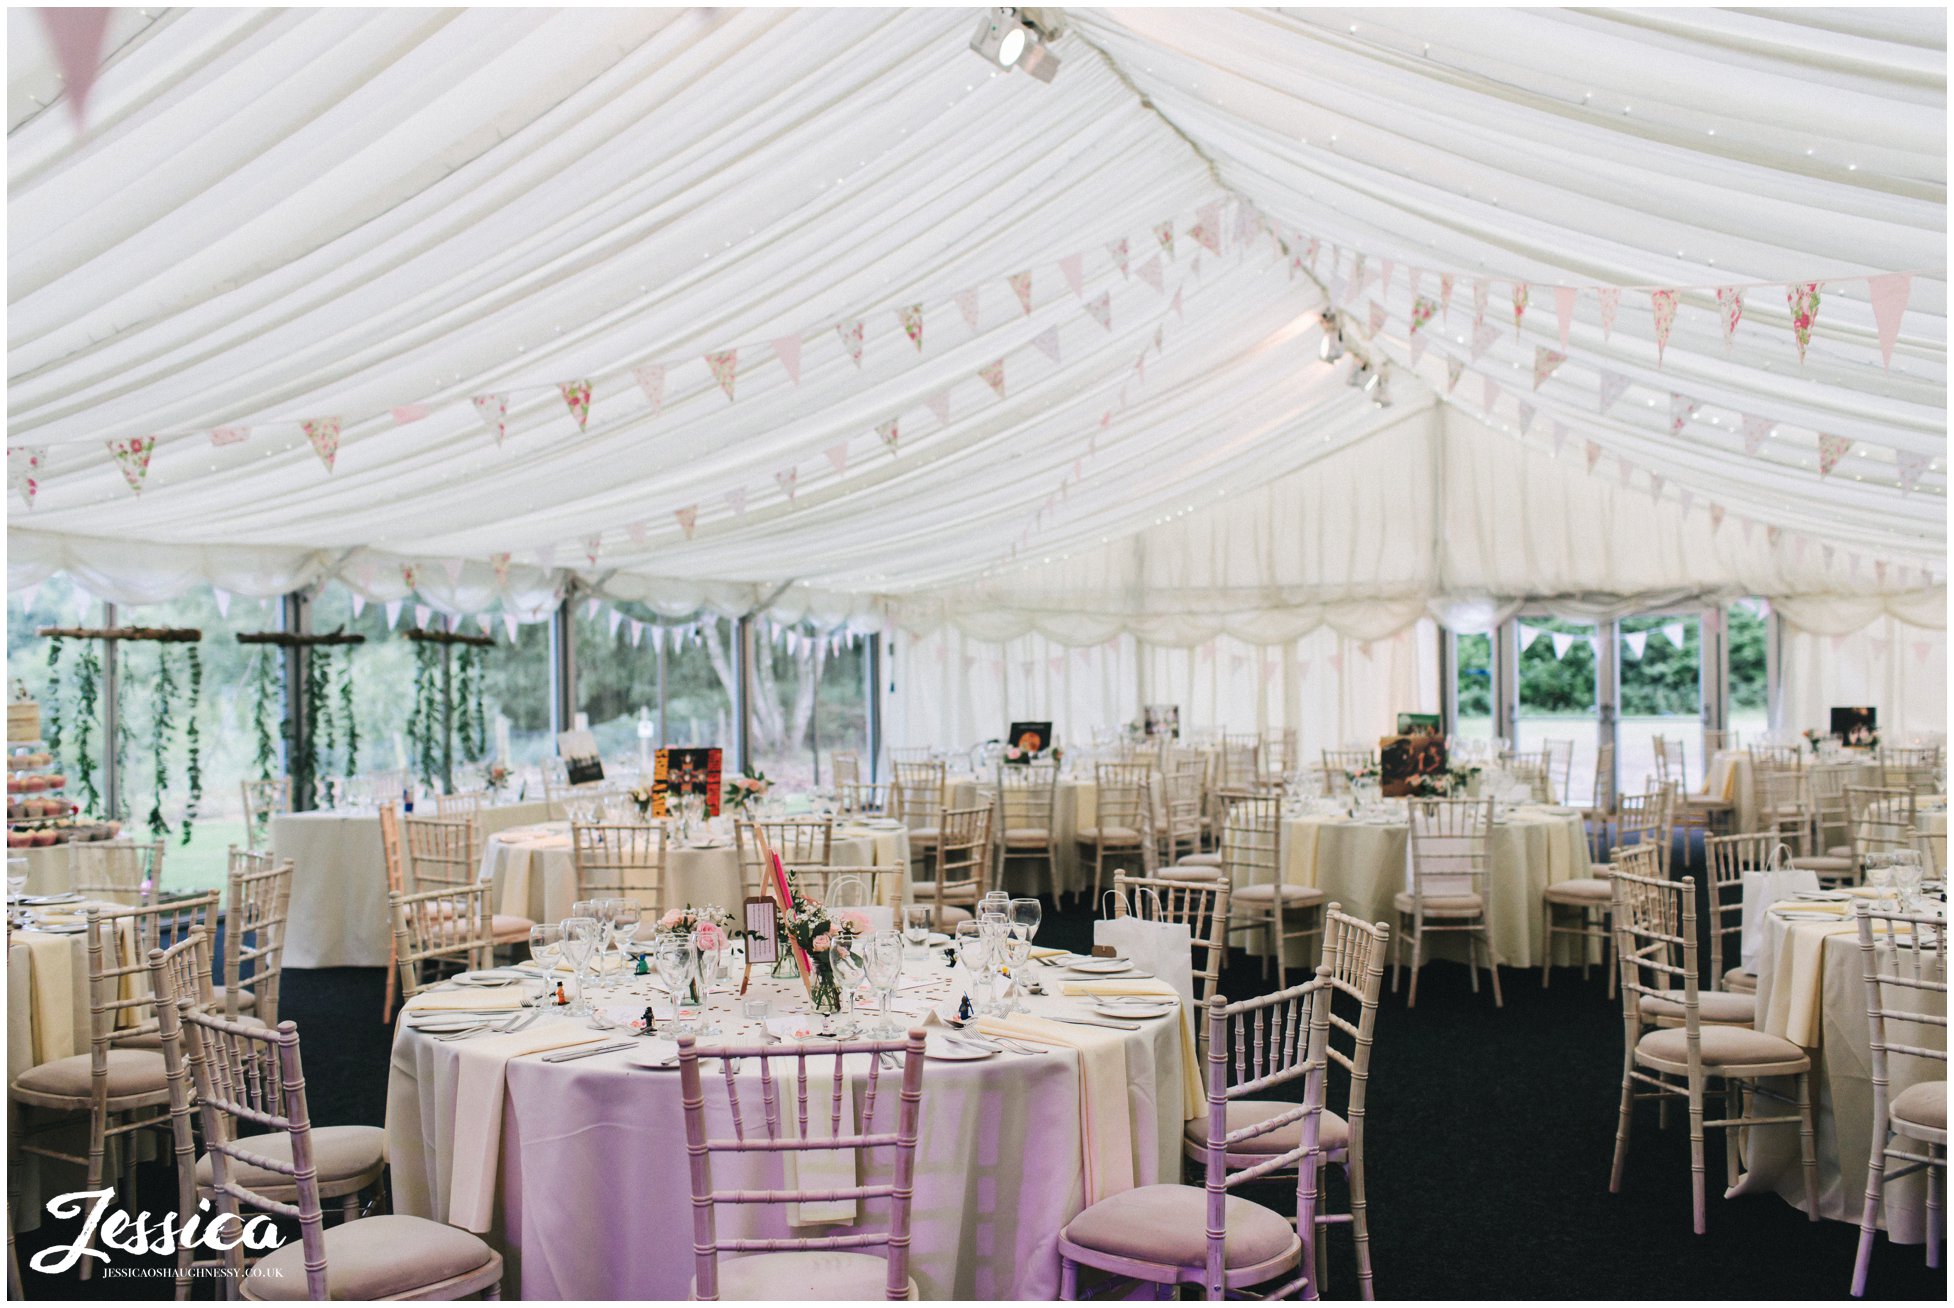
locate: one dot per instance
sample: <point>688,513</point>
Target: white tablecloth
<point>339,882</point>
<point>592,1200</point>
<point>1811,989</point>
<point>49,871</point>
<point>1361,866</point>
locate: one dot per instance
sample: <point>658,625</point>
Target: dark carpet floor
<point>1491,1132</point>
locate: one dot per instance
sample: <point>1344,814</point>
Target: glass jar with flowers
<point>743,792</point>
<point>640,796</point>
<point>815,932</point>
<point>706,929</point>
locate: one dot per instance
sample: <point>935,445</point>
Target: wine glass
<point>545,946</point>
<point>625,917</point>
<point>580,937</point>
<point>594,910</point>
<point>1907,875</point>
<point>850,968</point>
<point>973,946</point>
<point>677,961</point>
<point>1028,913</point>
<point>1016,942</point>
<point>707,965</point>
<point>883,957</point>
<point>1879,871</point>
<point>916,919</point>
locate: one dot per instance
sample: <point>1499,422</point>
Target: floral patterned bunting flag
<point>838,458</point>
<point>787,349</point>
<point>1118,250</point>
<point>1910,468</point>
<point>1150,273</point>
<point>911,316</point>
<point>851,338</point>
<point>1047,343</point>
<point>324,435</point>
<point>1021,284</point>
<point>967,305</point>
<point>1730,309</point>
<point>591,546</point>
<point>409,576</point>
<point>1101,308</point>
<point>1611,301</point>
<point>889,434</point>
<point>1453,370</point>
<point>132,456</point>
<point>1310,251</point>
<point>651,380</point>
<point>939,404</point>
<point>24,470</point>
<point>1681,408</point>
<point>1802,297</point>
<point>1830,450</point>
<point>1756,431</point>
<point>1544,363</point>
<point>1422,312</point>
<point>1612,386</point>
<point>576,394</point>
<point>725,365</point>
<point>993,375</point>
<point>1445,294</point>
<point>787,481</point>
<point>1164,233</point>
<point>1663,305</point>
<point>688,518</point>
<point>1521,294</point>
<point>494,413</point>
<point>229,435</point>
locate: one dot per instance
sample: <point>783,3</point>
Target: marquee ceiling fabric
<point>378,215</point>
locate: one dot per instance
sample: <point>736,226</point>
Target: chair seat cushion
<point>1167,1224</point>
<point>1439,905</point>
<point>132,1073</point>
<point>924,835</point>
<point>1839,851</point>
<point>339,1153</point>
<point>1109,835</point>
<point>374,1258</point>
<point>1332,1133</point>
<point>1027,836</point>
<point>951,914</point>
<point>1201,860</point>
<point>1580,890</point>
<point>1292,896</point>
<point>812,1274</point>
<point>1719,1006</point>
<point>1924,1105</point>
<point>1823,863</point>
<point>246,1001</point>
<point>506,927</point>
<point>1740,981</point>
<point>1723,1047</point>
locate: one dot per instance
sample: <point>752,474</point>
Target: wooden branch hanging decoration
<point>301,640</point>
<point>449,638</point>
<point>166,635</point>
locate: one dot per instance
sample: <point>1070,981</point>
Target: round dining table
<point>576,1170</point>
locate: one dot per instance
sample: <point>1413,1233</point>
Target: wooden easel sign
<point>762,942</point>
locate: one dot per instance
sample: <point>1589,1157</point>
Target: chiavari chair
<point>1344,762</point>
<point>1777,758</point>
<point>394,864</point>
<point>1878,818</point>
<point>623,860</point>
<point>1260,898</point>
<point>1655,946</point>
<point>1451,887</point>
<point>1200,904</point>
<point>1558,756</point>
<point>442,853</point>
<point>1241,759</point>
<point>263,800</point>
<point>116,873</point>
<point>1531,767</point>
<point>1904,962</point>
<point>443,928</point>
<point>844,767</point>
<point>1730,857</point>
<point>1640,820</point>
<point>1122,827</point>
<point>962,867</point>
<point>1027,815</point>
<point>1598,818</point>
<point>921,801</point>
<point>1933,852</point>
<point>868,799</point>
<point>257,902</point>
<point>1180,824</point>
<point>1910,769</point>
<point>800,842</point>
<point>820,1124</point>
<point>1694,811</point>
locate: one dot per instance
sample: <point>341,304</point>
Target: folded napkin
<point>1105,1122</point>
<point>51,963</point>
<point>1038,951</point>
<point>1194,1101</point>
<point>1797,981</point>
<point>826,1170</point>
<point>480,1068</point>
<point>466,999</point>
<point>1838,906</point>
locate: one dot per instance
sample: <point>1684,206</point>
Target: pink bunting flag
<point>736,501</point>
<point>911,317</point>
<point>1384,279</point>
<point>1483,336</point>
<point>1481,296</point>
<point>1047,343</point>
<point>1453,370</point>
<point>229,435</point>
<point>1151,274</point>
<point>1681,408</point>
<point>787,349</point>
<point>1526,416</point>
<point>966,304</point>
<point>1830,450</point>
<point>1611,302</point>
<point>1756,431</point>
<point>1445,294</point>
<point>1612,386</point>
<point>1377,317</point>
<point>1101,308</point>
<point>1522,293</point>
<point>576,395</point>
<point>1544,363</point>
<point>838,458</point>
<point>591,546</point>
<point>1663,305</point>
<point>1910,467</point>
<point>1802,298</point>
<point>1073,268</point>
<point>1176,305</point>
<point>1164,233</point>
<point>1889,294</point>
<point>651,380</point>
<point>851,334</point>
<point>725,366</point>
<point>1021,286</point>
<point>1489,393</point>
<point>499,565</point>
<point>1594,455</point>
<point>403,414</point>
<point>1730,311</point>
<point>939,404</point>
<point>788,480</point>
<point>76,37</point>
<point>1564,311</point>
<point>993,375</point>
<point>324,435</point>
<point>1118,250</point>
<point>888,433</point>
<point>24,464</point>
<point>1417,344</point>
<point>688,518</point>
<point>637,531</point>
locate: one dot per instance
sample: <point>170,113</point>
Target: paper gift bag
<point>1162,948</point>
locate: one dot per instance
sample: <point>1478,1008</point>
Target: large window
<point>698,685</point>
<point>1661,695</point>
<point>807,703</point>
<point>1558,699</point>
<point>1746,632</point>
<point>1472,673</point>
<point>617,682</point>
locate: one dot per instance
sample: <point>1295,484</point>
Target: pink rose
<point>671,919</point>
<point>854,924</point>
<point>823,942</point>
<point>709,936</point>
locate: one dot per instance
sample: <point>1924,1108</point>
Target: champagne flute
<point>580,936</point>
<point>884,961</point>
<point>594,910</point>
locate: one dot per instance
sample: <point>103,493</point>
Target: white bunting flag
<point>1453,371</point>
<point>1560,436</point>
<point>509,625</point>
<point>393,612</point>
<point>453,568</point>
<point>967,304</point>
<point>1611,303</point>
<point>736,501</point>
<point>636,531</point>
<point>1527,636</point>
<point>1489,393</point>
<point>24,464</point>
<point>939,404</point>
<point>323,433</point>
<point>1417,347</point>
<point>1756,430</point>
<point>1047,343</point>
<point>1021,286</point>
<point>421,615</point>
<point>1377,316</point>
<point>1564,311</point>
<point>838,458</point>
<point>1544,363</point>
<point>1483,336</point>
<point>132,456</point>
<point>911,318</point>
<point>1562,643</point>
<point>616,620</point>
<point>1151,274</point>
<point>1636,641</point>
<point>1612,386</point>
<point>1594,455</point>
<point>1118,250</point>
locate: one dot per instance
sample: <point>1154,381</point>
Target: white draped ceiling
<point>282,215</point>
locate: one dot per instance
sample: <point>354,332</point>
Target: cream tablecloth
<point>1362,865</point>
<point>590,1198</point>
<point>1811,990</point>
<point>339,882</point>
<point>49,871</point>
<point>535,875</point>
<point>1733,779</point>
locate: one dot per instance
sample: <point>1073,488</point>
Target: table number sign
<point>582,761</point>
<point>762,934</point>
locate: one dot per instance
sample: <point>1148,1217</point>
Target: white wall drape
<point>1896,667</point>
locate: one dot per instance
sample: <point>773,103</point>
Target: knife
<point>569,1054</point>
<point>1091,1021</point>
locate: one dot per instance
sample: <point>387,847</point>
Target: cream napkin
<point>51,960</point>
<point>1841,907</point>
<point>1797,977</point>
<point>1105,1122</point>
<point>479,1077</point>
<point>515,876</point>
<point>825,1169</point>
<point>467,999</point>
<point>1194,1101</point>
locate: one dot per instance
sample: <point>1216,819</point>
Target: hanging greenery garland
<point>194,767</point>
<point>88,671</point>
<point>349,724</point>
<point>469,713</point>
<point>425,724</point>
<point>51,711</point>
<point>318,740</point>
<point>266,753</point>
<point>159,742</point>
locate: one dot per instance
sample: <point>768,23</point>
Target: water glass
<point>973,947</point>
<point>677,961</point>
<point>916,919</point>
<point>580,936</point>
<point>883,958</point>
<point>1017,957</point>
<point>1028,913</point>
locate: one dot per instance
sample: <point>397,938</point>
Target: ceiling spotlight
<point>1330,347</point>
<point>1019,38</point>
